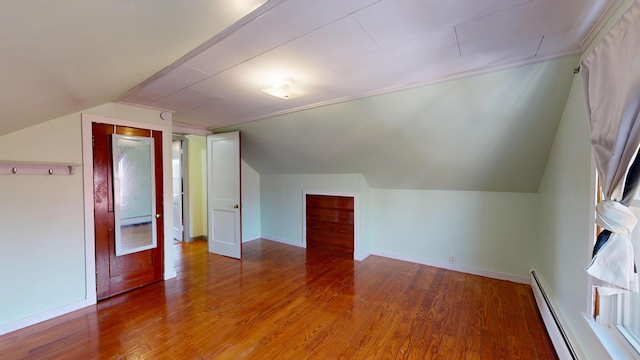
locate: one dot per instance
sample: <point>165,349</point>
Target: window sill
<point>615,346</point>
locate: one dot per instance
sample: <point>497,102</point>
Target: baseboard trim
<point>169,274</point>
<point>44,316</point>
<point>201,237</point>
<point>453,267</point>
<point>553,324</point>
<point>251,239</point>
<point>283,240</point>
<point>361,257</point>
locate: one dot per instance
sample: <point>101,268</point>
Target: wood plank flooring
<point>282,302</point>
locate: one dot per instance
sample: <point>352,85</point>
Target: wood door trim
<point>357,250</point>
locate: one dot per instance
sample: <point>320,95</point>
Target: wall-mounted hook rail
<point>30,168</point>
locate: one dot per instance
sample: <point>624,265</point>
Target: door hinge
<point>93,141</point>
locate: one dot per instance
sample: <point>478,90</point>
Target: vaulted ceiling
<point>339,50</point>
<point>60,57</point>
<point>489,132</point>
<point>414,94</point>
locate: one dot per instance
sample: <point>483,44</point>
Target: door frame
<point>356,218</point>
<point>184,163</point>
<point>89,220</point>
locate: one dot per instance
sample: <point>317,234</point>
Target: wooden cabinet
<point>330,223</point>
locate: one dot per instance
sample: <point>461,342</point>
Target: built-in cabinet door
<point>330,223</point>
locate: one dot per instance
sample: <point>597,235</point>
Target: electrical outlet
<point>452,259</point>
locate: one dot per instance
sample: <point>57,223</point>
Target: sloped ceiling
<point>490,132</point>
<point>59,57</point>
<point>339,50</point>
<point>414,94</point>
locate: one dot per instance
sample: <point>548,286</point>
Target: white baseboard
<point>454,267</point>
<point>43,316</point>
<point>252,238</point>
<point>357,257</point>
<point>362,256</point>
<point>284,241</point>
<point>201,237</point>
<point>169,274</point>
<point>552,322</point>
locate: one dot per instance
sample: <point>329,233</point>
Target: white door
<point>223,189</point>
<point>176,169</point>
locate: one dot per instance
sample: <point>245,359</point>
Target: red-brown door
<point>117,274</point>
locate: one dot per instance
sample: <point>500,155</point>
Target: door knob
<point>158,216</point>
<point>236,206</point>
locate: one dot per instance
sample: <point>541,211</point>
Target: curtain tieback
<point>615,217</point>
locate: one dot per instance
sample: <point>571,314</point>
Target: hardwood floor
<point>281,302</point>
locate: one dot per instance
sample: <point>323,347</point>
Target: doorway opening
<point>179,187</point>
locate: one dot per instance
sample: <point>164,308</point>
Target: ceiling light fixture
<point>285,89</point>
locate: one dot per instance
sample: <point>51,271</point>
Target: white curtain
<point>611,84</point>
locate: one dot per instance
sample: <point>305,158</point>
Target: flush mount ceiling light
<point>285,89</point>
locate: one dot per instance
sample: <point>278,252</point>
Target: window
<point>615,319</point>
<point>627,306</point>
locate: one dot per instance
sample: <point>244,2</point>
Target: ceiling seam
<point>265,51</point>
<point>252,16</point>
<point>539,46</point>
<point>457,40</point>
<point>366,32</point>
<point>281,42</point>
<point>496,12</point>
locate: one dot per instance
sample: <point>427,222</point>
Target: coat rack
<point>29,168</point>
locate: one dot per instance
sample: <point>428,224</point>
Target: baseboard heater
<point>558,336</point>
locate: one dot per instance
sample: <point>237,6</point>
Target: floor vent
<point>558,336</point>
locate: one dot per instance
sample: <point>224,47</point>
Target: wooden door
<point>330,223</point>
<point>117,274</point>
<point>223,189</point>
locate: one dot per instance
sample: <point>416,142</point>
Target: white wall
<point>488,233</point>
<point>566,219</point>
<point>366,231</point>
<point>251,226</point>
<point>41,221</point>
<point>281,201</point>
<point>42,236</point>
